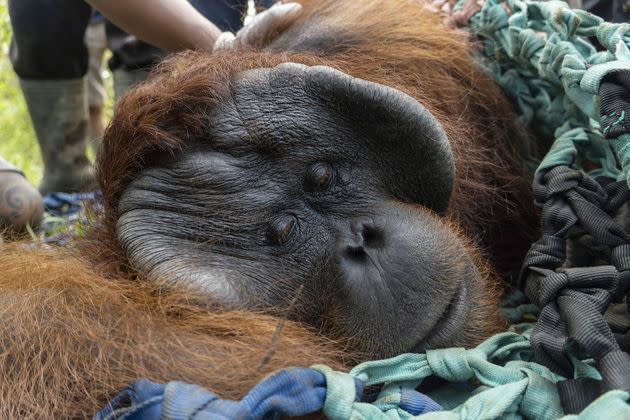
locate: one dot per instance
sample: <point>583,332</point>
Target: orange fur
<point>395,43</point>
<point>70,340</point>
<point>78,325</point>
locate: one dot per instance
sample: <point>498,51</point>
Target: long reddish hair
<point>77,325</point>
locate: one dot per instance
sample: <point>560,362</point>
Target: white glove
<point>261,29</point>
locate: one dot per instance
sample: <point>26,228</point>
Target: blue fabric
<point>96,17</point>
<point>63,204</point>
<point>67,215</point>
<point>292,392</point>
<point>416,403</point>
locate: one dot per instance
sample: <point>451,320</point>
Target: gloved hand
<point>262,29</point>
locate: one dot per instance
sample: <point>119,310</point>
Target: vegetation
<point>18,144</point>
<point>17,138</point>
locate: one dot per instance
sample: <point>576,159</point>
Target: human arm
<point>20,203</point>
<point>170,24</point>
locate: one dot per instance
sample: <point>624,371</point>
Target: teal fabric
<point>611,405</point>
<point>538,53</point>
<point>497,379</point>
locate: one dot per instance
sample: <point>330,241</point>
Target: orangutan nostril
<point>355,252</point>
<point>372,236</point>
<point>363,237</point>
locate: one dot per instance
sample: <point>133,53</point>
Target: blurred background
<point>18,143</point>
<point>17,139</point>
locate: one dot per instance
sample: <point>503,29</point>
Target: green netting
<point>540,54</point>
<point>497,379</point>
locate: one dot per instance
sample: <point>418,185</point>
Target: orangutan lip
<point>450,322</point>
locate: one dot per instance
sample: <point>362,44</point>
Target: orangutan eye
<point>319,177</point>
<point>281,230</point>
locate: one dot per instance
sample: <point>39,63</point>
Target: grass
<point>18,143</point>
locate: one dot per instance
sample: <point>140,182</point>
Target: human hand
<point>20,203</point>
<point>262,29</point>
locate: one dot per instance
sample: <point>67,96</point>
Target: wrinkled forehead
<point>272,123</point>
<point>278,113</point>
<point>201,181</point>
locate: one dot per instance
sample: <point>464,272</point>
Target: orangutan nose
<point>364,236</point>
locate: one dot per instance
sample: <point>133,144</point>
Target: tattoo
<point>20,203</point>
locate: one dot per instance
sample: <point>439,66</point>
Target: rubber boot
<point>59,112</point>
<point>96,129</point>
<point>126,79</point>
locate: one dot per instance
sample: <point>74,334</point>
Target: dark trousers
<point>617,11</point>
<point>48,36</point>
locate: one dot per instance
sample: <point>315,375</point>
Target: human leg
<point>96,43</point>
<point>50,58</point>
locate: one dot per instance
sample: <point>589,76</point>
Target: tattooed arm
<point>20,202</point>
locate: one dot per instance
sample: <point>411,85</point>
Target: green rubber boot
<point>59,112</point>
<point>127,79</point>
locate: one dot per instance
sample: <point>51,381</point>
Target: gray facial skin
<point>296,192</point>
